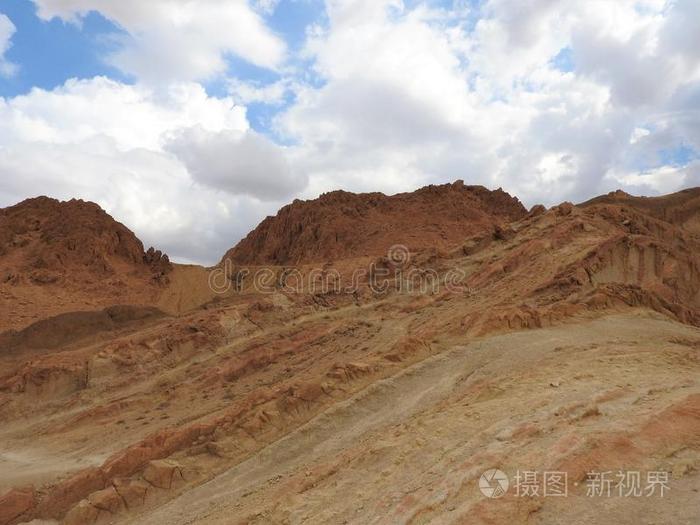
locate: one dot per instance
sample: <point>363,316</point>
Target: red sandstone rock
<point>106,499</point>
<point>341,224</point>
<point>15,503</point>
<point>128,461</point>
<point>67,493</point>
<point>162,474</point>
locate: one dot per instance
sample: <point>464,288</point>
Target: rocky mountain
<point>562,340</point>
<point>61,256</point>
<point>680,209</point>
<point>341,224</point>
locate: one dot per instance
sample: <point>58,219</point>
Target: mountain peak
<point>342,224</point>
<point>70,254</point>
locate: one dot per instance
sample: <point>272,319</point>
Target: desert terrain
<point>358,358</point>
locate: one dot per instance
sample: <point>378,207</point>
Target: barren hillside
<point>340,224</point>
<point>371,389</point>
<point>57,257</point>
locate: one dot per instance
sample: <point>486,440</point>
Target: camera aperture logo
<point>493,483</point>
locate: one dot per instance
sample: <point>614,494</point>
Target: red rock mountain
<point>680,209</point>
<point>61,256</point>
<point>567,338</point>
<point>341,224</point>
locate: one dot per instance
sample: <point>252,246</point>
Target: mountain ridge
<point>342,224</point>
<point>567,337</point>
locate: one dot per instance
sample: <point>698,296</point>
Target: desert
<point>349,262</point>
<point>551,340</point>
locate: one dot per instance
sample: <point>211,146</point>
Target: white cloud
<point>250,92</point>
<point>134,116</point>
<point>421,95</point>
<point>638,134</point>
<point>384,96</point>
<point>393,100</point>
<point>105,141</point>
<point>661,180</point>
<point>7,29</point>
<point>176,39</point>
<point>241,163</point>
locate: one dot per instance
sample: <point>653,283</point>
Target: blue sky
<point>191,121</point>
<point>50,52</point>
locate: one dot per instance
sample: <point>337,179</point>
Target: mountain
<point>561,341</point>
<point>341,224</point>
<point>679,208</point>
<point>62,256</point>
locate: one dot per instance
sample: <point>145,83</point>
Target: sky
<point>191,120</point>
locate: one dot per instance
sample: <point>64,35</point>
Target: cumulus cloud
<point>241,163</point>
<point>7,29</point>
<point>134,116</point>
<point>106,141</point>
<point>551,99</point>
<point>416,95</point>
<point>250,92</point>
<point>175,39</point>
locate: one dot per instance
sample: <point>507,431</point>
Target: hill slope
<point>681,208</point>
<point>341,224</point>
<point>61,256</point>
<point>564,341</point>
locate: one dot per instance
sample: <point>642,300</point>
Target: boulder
<point>536,211</point>
<point>82,514</point>
<point>106,499</point>
<point>133,492</point>
<point>162,473</point>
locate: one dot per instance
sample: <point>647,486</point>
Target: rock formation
<point>340,224</point>
<point>559,340</point>
<point>56,257</point>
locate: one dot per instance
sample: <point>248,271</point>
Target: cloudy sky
<point>190,120</point>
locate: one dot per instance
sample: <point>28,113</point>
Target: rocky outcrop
<point>15,504</point>
<point>69,492</point>
<point>158,261</point>
<point>44,235</point>
<point>341,224</point>
<point>680,209</point>
<point>58,256</point>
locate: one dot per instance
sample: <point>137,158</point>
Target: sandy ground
<point>409,448</point>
